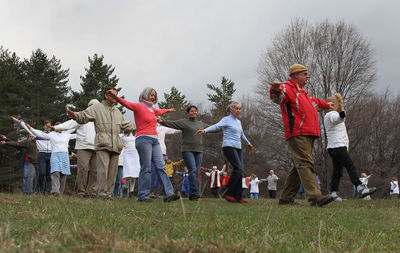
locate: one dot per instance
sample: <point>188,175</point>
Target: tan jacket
<point>108,122</point>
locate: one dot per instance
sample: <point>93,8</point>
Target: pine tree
<point>223,95</point>
<point>46,90</point>
<point>98,77</point>
<point>175,100</point>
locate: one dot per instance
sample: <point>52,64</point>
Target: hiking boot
<point>288,202</point>
<point>321,200</point>
<point>172,197</point>
<point>364,191</point>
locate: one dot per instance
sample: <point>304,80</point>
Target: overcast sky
<point>185,43</point>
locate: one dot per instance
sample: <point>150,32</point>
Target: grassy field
<point>68,224</point>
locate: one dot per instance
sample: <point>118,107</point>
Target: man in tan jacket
<point>108,123</point>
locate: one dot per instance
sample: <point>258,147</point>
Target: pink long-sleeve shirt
<point>145,120</point>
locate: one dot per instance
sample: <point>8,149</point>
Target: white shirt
<point>161,132</point>
<point>59,141</point>
<point>254,185</point>
<point>336,130</point>
<point>43,145</point>
<point>129,142</point>
<point>85,133</point>
<point>394,187</point>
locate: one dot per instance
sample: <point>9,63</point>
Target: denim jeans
<point>254,195</point>
<point>117,187</point>
<point>28,178</point>
<point>149,150</point>
<point>193,163</point>
<point>44,171</point>
<point>235,157</point>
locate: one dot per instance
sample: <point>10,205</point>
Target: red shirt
<point>145,120</point>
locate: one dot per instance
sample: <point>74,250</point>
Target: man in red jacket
<point>300,121</point>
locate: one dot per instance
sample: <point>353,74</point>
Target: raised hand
<point>250,146</point>
<point>200,132</point>
<point>172,110</point>
<point>15,119</point>
<point>276,86</point>
<point>70,114</point>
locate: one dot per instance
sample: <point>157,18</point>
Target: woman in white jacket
<point>59,160</point>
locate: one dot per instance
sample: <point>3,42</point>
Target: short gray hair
<point>231,105</point>
<point>144,95</point>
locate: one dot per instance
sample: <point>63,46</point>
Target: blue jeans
<point>235,157</point>
<point>193,163</point>
<point>149,150</point>
<point>254,195</point>
<point>44,171</point>
<point>117,186</point>
<point>28,179</point>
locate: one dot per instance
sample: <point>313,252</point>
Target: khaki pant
<point>58,182</point>
<point>86,179</point>
<point>107,167</point>
<point>301,148</point>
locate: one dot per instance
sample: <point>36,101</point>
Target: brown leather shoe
<point>321,200</point>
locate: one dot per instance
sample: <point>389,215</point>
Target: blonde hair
<point>337,99</point>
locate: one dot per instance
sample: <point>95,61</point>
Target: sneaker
<point>242,201</point>
<point>172,197</point>
<point>321,200</point>
<point>337,198</point>
<point>229,198</point>
<point>288,202</point>
<point>146,200</point>
<point>364,191</point>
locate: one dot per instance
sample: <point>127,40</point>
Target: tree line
<point>339,58</point>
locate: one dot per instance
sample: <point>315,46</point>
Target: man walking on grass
<point>300,121</point>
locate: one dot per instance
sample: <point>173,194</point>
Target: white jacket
<point>254,185</point>
<point>161,132</point>
<point>336,130</point>
<point>43,145</point>
<point>394,187</point>
<point>85,133</point>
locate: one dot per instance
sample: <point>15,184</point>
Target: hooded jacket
<point>299,110</point>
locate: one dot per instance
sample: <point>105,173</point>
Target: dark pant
<point>44,171</point>
<point>272,194</point>
<point>214,192</point>
<point>235,158</point>
<point>117,186</point>
<point>193,162</point>
<point>340,158</point>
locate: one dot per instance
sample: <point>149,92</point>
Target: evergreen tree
<point>175,100</point>
<point>46,90</point>
<point>98,77</point>
<point>223,95</point>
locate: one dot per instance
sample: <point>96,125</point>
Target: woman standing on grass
<point>192,146</point>
<point>59,160</point>
<point>147,144</point>
<point>232,148</point>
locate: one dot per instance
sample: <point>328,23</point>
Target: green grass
<point>68,224</point>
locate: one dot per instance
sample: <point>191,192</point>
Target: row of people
<point>300,120</point>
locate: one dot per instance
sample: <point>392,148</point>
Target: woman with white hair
<point>147,144</point>
<point>232,148</point>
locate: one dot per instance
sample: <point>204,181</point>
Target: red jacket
<point>299,110</point>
